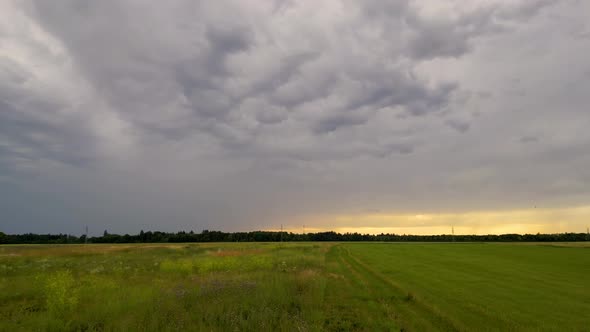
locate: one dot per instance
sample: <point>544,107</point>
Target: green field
<point>296,287</point>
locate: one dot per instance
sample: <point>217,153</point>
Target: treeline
<point>264,236</point>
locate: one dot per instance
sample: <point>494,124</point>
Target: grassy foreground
<point>295,287</point>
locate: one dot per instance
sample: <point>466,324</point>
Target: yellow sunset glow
<point>547,220</point>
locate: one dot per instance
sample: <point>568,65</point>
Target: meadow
<point>296,287</point>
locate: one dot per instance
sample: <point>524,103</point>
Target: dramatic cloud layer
<point>239,115</point>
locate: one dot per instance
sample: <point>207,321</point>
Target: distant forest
<point>265,236</point>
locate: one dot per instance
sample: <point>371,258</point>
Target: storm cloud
<point>241,115</point>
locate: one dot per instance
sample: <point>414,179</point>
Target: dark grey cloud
<point>187,67</point>
<point>235,115</point>
<point>30,138</point>
<point>36,125</point>
<point>458,125</point>
<point>434,36</point>
<point>336,121</point>
<point>271,116</point>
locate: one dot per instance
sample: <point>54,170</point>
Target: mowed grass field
<point>296,287</point>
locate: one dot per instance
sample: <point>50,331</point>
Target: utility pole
<point>281,232</point>
<point>86,237</point>
<point>587,233</point>
<point>453,232</point>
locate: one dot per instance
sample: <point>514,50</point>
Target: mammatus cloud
<point>235,115</point>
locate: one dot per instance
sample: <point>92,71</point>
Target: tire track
<point>406,305</point>
<point>353,303</point>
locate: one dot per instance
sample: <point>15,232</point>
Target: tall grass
<point>294,287</point>
<point>219,287</point>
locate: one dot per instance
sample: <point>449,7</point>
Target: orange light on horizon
<point>532,221</point>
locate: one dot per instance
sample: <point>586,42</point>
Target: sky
<point>403,116</point>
